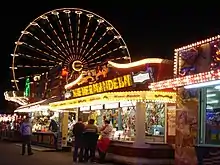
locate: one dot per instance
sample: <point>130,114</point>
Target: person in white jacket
<point>26,133</point>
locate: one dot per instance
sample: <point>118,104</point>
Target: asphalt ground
<point>10,154</point>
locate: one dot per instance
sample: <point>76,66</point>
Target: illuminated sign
<point>112,105</point>
<point>141,77</point>
<point>85,108</point>
<point>106,98</point>
<point>104,86</point>
<point>97,107</point>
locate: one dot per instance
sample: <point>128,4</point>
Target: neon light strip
<point>198,43</point>
<point>141,62</point>
<point>70,85</point>
<point>187,80</point>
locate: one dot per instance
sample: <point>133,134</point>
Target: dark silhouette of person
<point>53,126</point>
<point>90,138</point>
<point>26,133</point>
<point>78,130</point>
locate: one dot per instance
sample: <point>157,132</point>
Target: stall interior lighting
<point>141,62</point>
<point>211,95</point>
<point>217,87</point>
<point>186,80</point>
<point>213,102</point>
<point>204,84</point>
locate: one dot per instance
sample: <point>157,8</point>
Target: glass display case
<point>210,115</point>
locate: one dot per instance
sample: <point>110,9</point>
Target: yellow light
<point>152,96</point>
<point>70,85</point>
<point>198,43</point>
<point>141,62</point>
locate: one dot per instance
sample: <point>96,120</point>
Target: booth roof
<point>42,102</point>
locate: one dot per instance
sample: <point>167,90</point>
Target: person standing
<point>91,137</point>
<point>78,130</point>
<point>26,133</point>
<point>104,141</point>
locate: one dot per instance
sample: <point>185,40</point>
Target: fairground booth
<point>197,81</point>
<point>119,92</point>
<point>10,122</point>
<point>45,123</point>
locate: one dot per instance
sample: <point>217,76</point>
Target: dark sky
<point>149,30</point>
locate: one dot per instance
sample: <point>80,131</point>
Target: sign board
<point>141,77</point>
<point>97,107</point>
<point>115,96</point>
<point>104,86</point>
<point>113,105</point>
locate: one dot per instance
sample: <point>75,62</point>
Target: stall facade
<point>119,92</point>
<point>41,118</point>
<point>197,81</point>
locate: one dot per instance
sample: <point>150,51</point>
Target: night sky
<point>149,30</point>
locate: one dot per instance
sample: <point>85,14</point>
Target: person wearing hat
<point>26,132</point>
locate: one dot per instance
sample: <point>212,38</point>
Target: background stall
<point>197,81</point>
<point>45,123</point>
<point>10,126</point>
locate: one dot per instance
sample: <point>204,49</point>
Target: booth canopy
<point>151,96</point>
<point>37,106</point>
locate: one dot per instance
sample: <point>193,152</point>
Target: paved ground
<point>10,155</point>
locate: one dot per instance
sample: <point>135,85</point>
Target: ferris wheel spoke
<point>102,55</point>
<point>100,21</point>
<point>71,32</point>
<point>55,46</point>
<point>34,66</point>
<point>92,48</point>
<point>36,58</point>
<point>43,53</point>
<point>100,49</point>
<point>60,25</point>
<point>56,34</point>
<point>78,33</point>
<point>55,53</point>
<point>86,32</point>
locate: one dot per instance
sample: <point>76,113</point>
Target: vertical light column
<point>140,123</point>
<point>64,127</point>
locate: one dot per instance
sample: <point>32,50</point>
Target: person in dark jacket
<point>26,132</point>
<point>78,130</point>
<point>90,137</point>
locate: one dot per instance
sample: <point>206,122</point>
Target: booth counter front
<point>139,120</point>
<point>45,139</point>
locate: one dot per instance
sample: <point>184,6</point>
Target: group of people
<point>88,138</point>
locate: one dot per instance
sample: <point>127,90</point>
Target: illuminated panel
<point>105,98</point>
<point>187,80</point>
<point>138,63</point>
<point>177,59</point>
<point>198,43</point>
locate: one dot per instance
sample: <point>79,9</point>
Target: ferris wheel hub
<point>77,66</point>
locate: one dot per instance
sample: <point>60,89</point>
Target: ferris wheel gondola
<point>67,37</point>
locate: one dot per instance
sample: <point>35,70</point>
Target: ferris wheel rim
<point>60,9</point>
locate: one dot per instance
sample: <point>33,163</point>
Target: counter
<point>208,154</point>
<point>128,153</point>
<point>45,139</point>
<point>10,135</point>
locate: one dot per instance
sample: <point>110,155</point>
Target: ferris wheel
<point>73,38</point>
